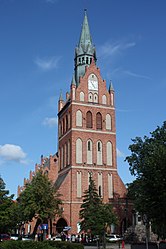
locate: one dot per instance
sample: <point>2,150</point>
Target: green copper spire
<point>85,42</point>
<point>85,50</point>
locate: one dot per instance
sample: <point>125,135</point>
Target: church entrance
<point>60,225</point>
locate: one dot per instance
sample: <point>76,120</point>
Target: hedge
<point>11,244</point>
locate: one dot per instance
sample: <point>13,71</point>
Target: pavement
<point>110,246</point>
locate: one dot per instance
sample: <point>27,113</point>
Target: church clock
<point>92,82</point>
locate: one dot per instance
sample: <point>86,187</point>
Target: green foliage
<point>148,164</point>
<point>95,215</point>
<point>6,208</point>
<point>39,199</point>
<point>25,245</point>
<point>39,245</point>
<point>64,244</point>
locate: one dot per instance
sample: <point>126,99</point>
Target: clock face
<point>92,82</point>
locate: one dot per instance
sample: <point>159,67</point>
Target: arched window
<point>90,97</point>
<point>89,120</point>
<point>99,153</point>
<point>78,118</point>
<point>81,96</point>
<point>108,122</point>
<point>104,100</point>
<point>79,184</point>
<point>95,98</point>
<point>98,146</point>
<point>69,120</point>
<point>68,153</point>
<point>79,151</point>
<point>89,146</point>
<point>62,158</point>
<point>98,121</point>
<point>100,184</point>
<point>110,186</point>
<point>60,129</point>
<point>109,153</point>
<point>66,122</point>
<point>63,126</point>
<point>89,152</point>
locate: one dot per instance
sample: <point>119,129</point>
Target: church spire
<point>85,38</point>
<point>85,50</point>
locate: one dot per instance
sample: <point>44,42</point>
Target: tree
<point>6,203</point>
<point>39,200</point>
<point>147,163</point>
<point>95,215</point>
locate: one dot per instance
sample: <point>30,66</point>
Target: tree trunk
<point>104,241</point>
<point>36,226</point>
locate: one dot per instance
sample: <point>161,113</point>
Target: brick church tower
<point>87,134</point>
<point>86,141</point>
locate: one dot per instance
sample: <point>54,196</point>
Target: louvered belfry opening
<point>98,121</point>
<point>89,123</point>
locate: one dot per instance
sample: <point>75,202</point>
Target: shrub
<point>11,244</point>
<point>24,245</point>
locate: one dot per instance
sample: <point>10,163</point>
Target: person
<point>36,237</point>
<point>123,244</point>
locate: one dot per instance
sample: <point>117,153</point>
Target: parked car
<point>27,237</point>
<point>56,238</point>
<point>4,237</point>
<point>113,237</point>
<point>14,236</point>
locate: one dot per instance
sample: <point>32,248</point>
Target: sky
<point>37,43</point>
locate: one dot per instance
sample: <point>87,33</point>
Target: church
<point>86,140</point>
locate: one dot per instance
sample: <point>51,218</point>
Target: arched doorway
<point>61,223</point>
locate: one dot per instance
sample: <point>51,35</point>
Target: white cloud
<point>119,153</point>
<point>47,64</point>
<point>12,152</point>
<point>51,122</point>
<point>137,75</point>
<point>114,48</point>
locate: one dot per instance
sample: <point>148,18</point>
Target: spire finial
<point>111,86</point>
<point>60,97</point>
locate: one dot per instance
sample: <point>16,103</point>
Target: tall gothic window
<point>89,152</point>
<point>79,151</point>
<point>100,184</point>
<point>68,153</point>
<point>98,121</point>
<point>99,153</point>
<point>66,122</point>
<point>108,122</point>
<point>78,118</point>
<point>63,126</point>
<point>69,120</point>
<point>89,120</point>
<point>110,186</point>
<point>109,153</point>
<point>79,184</point>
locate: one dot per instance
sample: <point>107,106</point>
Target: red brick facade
<point>69,169</point>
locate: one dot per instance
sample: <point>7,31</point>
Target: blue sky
<point>37,43</point>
